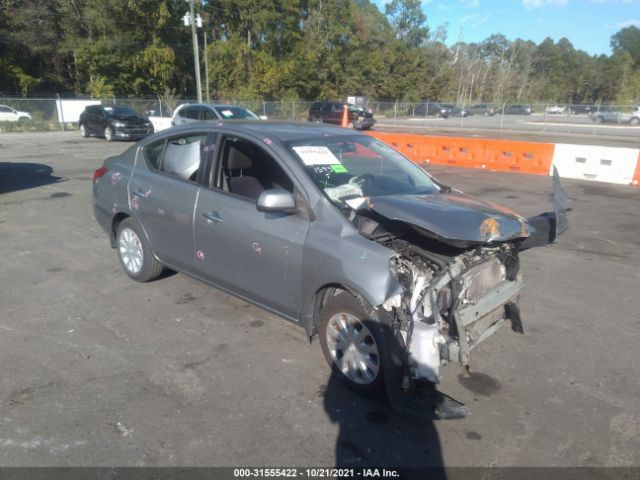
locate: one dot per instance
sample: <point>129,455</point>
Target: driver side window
<point>247,170</point>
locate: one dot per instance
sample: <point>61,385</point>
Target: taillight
<point>99,172</point>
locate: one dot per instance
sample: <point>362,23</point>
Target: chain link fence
<point>411,116</point>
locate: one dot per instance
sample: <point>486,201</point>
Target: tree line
<point>291,49</point>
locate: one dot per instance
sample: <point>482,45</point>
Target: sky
<point>588,24</point>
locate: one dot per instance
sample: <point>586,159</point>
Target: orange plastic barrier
<point>636,175</point>
<point>523,157</point>
<point>502,155</point>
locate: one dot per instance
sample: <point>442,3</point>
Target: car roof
<point>282,130</point>
<point>216,105</point>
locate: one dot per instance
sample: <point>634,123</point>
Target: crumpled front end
<point>448,306</point>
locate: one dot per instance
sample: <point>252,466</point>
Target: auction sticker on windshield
<point>316,156</point>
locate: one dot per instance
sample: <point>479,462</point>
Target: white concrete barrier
<point>601,164</point>
<point>160,123</point>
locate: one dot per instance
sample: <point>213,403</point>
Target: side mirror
<point>276,200</point>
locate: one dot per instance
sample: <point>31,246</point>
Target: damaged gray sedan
<point>395,272</point>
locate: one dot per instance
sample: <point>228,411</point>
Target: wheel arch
<point>117,219</point>
<point>320,298</point>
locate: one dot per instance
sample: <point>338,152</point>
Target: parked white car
<point>8,114</point>
<point>555,110</point>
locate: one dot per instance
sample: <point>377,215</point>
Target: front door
<point>255,254</point>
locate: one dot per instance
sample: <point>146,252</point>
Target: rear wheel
<point>108,134</point>
<point>635,121</point>
<point>599,120</point>
<point>135,254</point>
<point>83,131</point>
<point>351,343</point>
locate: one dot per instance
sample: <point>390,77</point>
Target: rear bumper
<point>103,217</point>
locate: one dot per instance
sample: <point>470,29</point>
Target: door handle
<point>214,217</point>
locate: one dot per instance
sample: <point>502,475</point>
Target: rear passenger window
<point>208,115</point>
<point>182,157</point>
<point>153,154</point>
<point>190,112</point>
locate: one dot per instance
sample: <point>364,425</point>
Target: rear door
<point>254,254</point>
<point>163,191</point>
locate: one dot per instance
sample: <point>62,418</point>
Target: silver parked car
<point>604,114</point>
<point>330,229</point>
<point>196,112</point>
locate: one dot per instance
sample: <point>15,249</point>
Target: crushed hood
<point>453,218</point>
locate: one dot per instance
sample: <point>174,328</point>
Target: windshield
<point>119,111</point>
<point>349,167</point>
<point>235,113</point>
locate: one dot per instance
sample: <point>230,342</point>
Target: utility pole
<point>191,19</point>
<point>206,68</point>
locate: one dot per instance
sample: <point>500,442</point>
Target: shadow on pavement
<point>373,435</point>
<point>23,176</point>
<point>392,428</point>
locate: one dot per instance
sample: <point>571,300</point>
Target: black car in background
<point>482,109</point>
<point>517,109</point>
<point>114,123</point>
<point>578,109</point>
<point>455,110</point>
<point>331,112</point>
<point>428,109</point>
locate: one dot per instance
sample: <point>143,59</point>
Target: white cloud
<point>475,19</point>
<point>628,23</point>
<point>470,3</point>
<point>541,3</point>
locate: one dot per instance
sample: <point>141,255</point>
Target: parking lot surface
<point>100,370</point>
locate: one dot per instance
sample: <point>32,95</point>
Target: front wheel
<point>599,120</point>
<point>635,121</point>
<point>135,253</point>
<point>83,131</point>
<point>351,344</point>
<point>108,134</point>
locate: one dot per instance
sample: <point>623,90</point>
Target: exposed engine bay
<point>451,298</point>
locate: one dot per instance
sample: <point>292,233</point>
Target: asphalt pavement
<point>100,370</point>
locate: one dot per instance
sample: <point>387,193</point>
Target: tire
<point>135,254</point>
<point>343,316</point>
<point>108,134</point>
<point>23,119</point>
<point>599,120</point>
<point>635,121</point>
<point>317,120</point>
<point>83,131</point>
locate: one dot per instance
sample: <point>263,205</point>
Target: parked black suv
<point>114,123</point>
<point>331,112</point>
